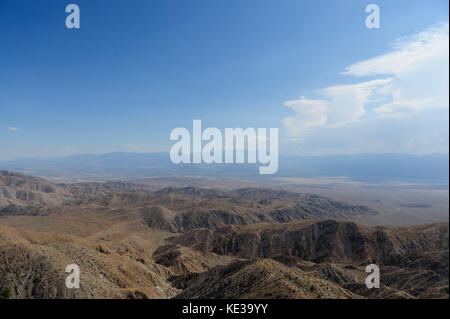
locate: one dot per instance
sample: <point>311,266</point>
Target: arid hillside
<point>136,241</point>
<point>322,241</point>
<point>168,209</point>
<point>414,260</point>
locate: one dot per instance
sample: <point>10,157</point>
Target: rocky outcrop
<point>322,241</point>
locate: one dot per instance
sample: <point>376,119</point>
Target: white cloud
<point>419,66</point>
<point>308,114</point>
<point>403,108</point>
<point>408,54</point>
<point>12,128</point>
<point>341,104</point>
<point>414,80</point>
<point>346,102</point>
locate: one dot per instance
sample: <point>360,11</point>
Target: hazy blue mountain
<point>370,167</point>
<point>431,168</point>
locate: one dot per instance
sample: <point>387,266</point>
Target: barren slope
<point>262,278</point>
<point>33,265</point>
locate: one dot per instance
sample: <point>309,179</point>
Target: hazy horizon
<point>431,168</point>
<point>167,153</point>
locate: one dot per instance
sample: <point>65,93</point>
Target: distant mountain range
<point>433,168</point>
<point>170,209</point>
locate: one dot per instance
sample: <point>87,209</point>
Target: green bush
<point>5,293</point>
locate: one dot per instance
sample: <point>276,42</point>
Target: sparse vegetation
<point>5,293</point>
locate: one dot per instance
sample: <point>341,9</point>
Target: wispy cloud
<point>414,79</point>
<point>409,53</point>
<point>340,104</point>
<point>12,128</point>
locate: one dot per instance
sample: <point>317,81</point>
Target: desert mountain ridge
<point>133,240</point>
<point>168,209</point>
<point>33,264</point>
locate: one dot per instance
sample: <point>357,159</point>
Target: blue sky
<point>137,69</point>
